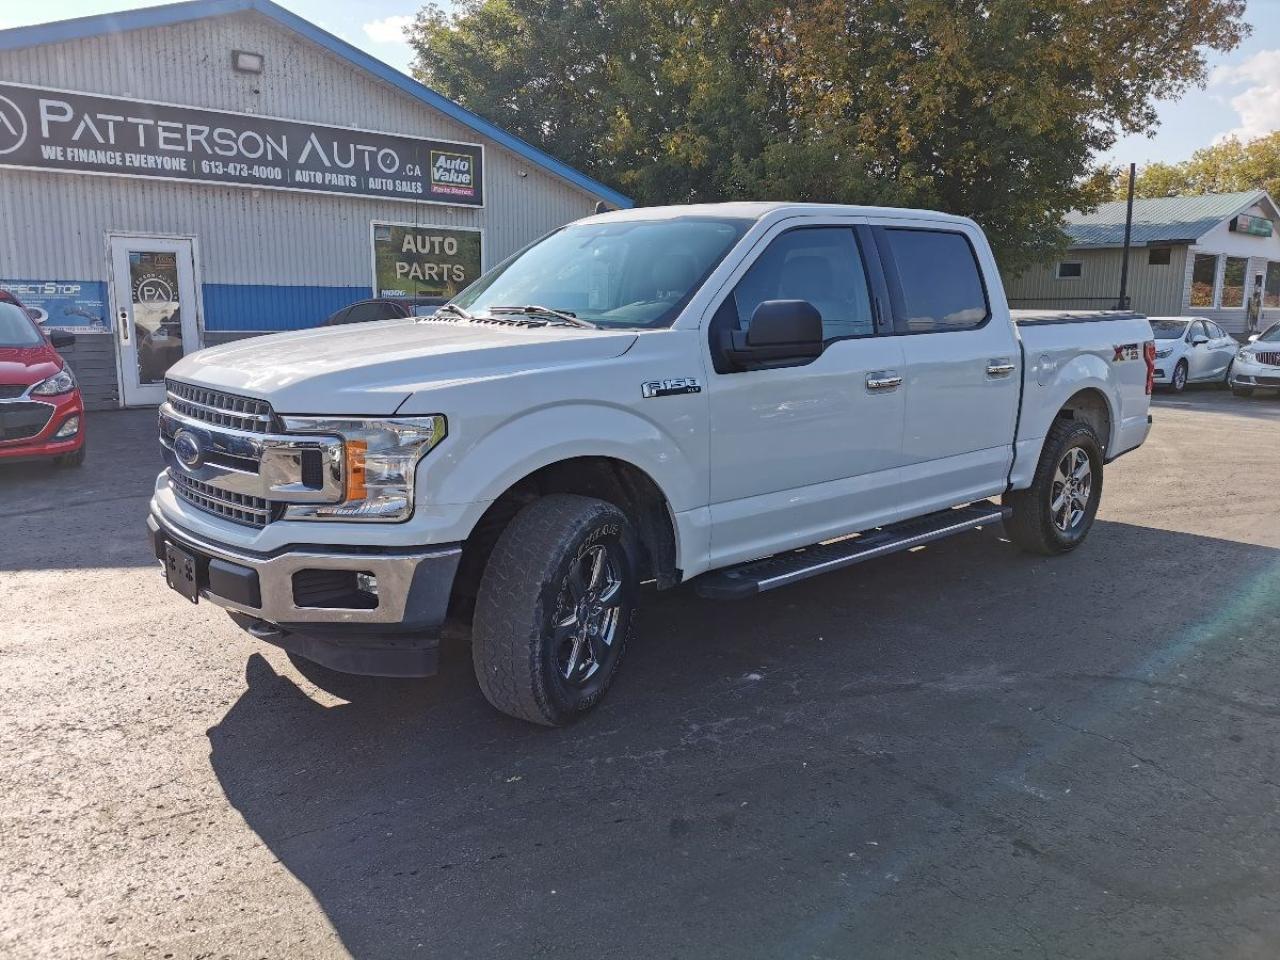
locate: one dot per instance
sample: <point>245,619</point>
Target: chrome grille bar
<point>221,409</point>
<point>237,507</point>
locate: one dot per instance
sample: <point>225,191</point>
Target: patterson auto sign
<point>43,129</point>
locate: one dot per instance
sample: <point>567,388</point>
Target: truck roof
<point>759,209</point>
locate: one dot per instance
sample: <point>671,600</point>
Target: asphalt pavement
<point>958,752</point>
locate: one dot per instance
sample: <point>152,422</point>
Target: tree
<point>990,108</point>
<point>1227,167</point>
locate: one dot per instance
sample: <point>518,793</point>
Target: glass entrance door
<point>155,307</point>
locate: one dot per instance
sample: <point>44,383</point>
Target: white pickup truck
<point>739,395</point>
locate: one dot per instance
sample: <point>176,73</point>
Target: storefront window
<point>1202,277</point>
<point>1271,292</point>
<point>1233,281</point>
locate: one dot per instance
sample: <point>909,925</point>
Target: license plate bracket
<point>182,572</point>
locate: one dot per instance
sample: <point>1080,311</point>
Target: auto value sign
<point>43,129</point>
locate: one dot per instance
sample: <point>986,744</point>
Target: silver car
<point>1257,364</point>
<point>1191,350</point>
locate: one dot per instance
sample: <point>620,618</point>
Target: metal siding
<point>93,360</point>
<point>248,236</point>
<point>233,306</point>
<point>1153,290</point>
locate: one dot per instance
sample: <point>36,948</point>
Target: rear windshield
<point>16,328</point>
<point>1168,329</point>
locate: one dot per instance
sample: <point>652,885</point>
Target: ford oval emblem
<point>187,448</point>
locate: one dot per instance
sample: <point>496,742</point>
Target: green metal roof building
<point>1215,256</point>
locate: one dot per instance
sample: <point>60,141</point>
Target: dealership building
<point>179,176</point>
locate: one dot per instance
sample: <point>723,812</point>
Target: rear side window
<point>940,284</point>
<point>819,264</point>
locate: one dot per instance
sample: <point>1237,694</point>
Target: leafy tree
<point>1226,167</point>
<point>990,108</point>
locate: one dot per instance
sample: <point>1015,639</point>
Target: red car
<point>41,410</point>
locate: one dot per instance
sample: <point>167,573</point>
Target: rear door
<point>963,364</point>
<point>804,452</point>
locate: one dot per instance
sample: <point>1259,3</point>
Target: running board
<point>757,576</point>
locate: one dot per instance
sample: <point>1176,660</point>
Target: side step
<point>757,576</point>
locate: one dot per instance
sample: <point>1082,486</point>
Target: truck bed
<point>1026,318</point>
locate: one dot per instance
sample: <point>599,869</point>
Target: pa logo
<point>13,126</point>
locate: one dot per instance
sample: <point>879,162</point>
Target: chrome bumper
<point>413,587</point>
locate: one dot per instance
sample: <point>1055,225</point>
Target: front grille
<point>237,507</point>
<point>11,391</point>
<point>20,421</point>
<point>1270,357</point>
<point>221,409</point>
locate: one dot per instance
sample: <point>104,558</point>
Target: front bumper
<point>42,443</point>
<point>1255,375</point>
<point>296,599</point>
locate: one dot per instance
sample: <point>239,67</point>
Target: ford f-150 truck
<point>740,395</point>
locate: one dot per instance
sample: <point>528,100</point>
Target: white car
<point>1257,364</point>
<point>1191,350</point>
<point>749,394</point>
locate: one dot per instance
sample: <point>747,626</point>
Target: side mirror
<point>61,338</point>
<point>1253,338</point>
<point>782,333</point>
<point>1199,340</point>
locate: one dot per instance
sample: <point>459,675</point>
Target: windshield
<point>622,273</point>
<point>1168,329</point>
<point>16,328</point>
<point>1271,334</point>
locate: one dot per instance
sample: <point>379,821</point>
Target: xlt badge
<point>669,388</point>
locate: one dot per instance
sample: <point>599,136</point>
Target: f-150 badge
<point>669,388</point>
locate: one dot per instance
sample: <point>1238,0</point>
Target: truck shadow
<point>804,772</point>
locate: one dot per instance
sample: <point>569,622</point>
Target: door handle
<point>124,326</point>
<point>883,380</point>
<point>1000,368</point>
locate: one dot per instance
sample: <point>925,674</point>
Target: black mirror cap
<point>777,323</point>
<point>61,338</point>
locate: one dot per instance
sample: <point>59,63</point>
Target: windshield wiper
<point>455,309</point>
<point>533,310</point>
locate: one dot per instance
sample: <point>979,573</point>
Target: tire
<point>555,609</point>
<point>1036,525</point>
<point>70,460</point>
<point>1241,391</point>
<point>1225,382</point>
<point>1178,382</point>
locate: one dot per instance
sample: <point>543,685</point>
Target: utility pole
<point>1123,304</point>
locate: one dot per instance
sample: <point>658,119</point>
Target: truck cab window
<point>819,264</point>
<point>939,279</point>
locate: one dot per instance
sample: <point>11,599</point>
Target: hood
<point>370,369</point>
<point>24,366</point>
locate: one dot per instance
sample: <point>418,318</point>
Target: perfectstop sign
<point>44,129</point>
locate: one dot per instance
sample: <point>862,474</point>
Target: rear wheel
<point>555,608</point>
<point>1056,512</point>
<point>1179,380</point>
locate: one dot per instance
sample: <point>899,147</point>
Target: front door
<point>154,290</point>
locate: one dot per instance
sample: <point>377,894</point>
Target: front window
<point>613,273</point>
<point>16,328</point>
<point>1168,329</point>
<point>1203,275</point>
<point>1233,282</point>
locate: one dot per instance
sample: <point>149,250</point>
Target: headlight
<point>1161,354</point>
<point>1244,356</point>
<point>61,382</point>
<point>379,459</point>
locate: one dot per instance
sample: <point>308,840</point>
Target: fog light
<point>367,583</point>
<point>68,429</point>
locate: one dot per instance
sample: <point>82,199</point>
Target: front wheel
<point>1179,380</point>
<point>555,608</point>
<point>1056,512</point>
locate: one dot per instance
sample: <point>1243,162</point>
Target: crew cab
<point>738,395</point>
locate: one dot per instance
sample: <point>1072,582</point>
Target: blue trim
<point>251,306</point>
<point>63,30</point>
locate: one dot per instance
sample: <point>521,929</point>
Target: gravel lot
<point>959,752</point>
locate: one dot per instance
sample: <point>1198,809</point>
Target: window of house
<point>1233,281</point>
<point>1204,273</point>
<point>1271,291</point>
<point>1070,270</point>
<point>1159,256</point>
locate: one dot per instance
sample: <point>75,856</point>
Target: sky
<point>1242,96</point>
